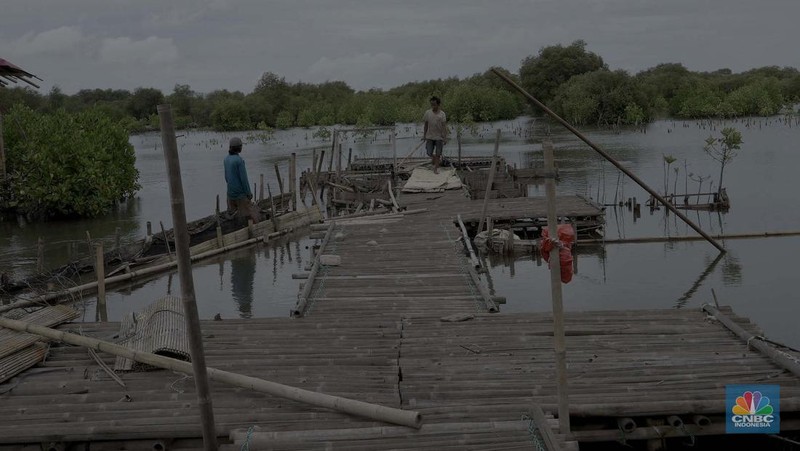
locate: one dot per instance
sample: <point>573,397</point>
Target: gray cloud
<point>228,44</point>
<point>151,50</point>
<point>64,39</point>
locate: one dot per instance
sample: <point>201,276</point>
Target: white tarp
<point>423,180</point>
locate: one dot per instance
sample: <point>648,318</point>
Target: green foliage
<point>569,79</point>
<point>723,149</point>
<point>64,164</point>
<point>602,97</point>
<point>284,120</point>
<point>697,100</point>
<point>555,65</point>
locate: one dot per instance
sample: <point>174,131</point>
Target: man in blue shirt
<point>239,194</point>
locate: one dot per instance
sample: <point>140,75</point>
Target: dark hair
<point>437,100</point>
<point>234,150</point>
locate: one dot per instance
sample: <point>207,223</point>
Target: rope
<point>246,444</point>
<point>534,434</point>
<point>777,345</point>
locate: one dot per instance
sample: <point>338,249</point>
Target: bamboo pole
<point>411,153</point>
<point>293,180</point>
<point>274,214</point>
<point>550,440</point>
<point>468,243</point>
<point>458,141</point>
<point>338,160</point>
<point>198,366</point>
<point>333,150</point>
<point>2,151</point>
<point>359,408</point>
<point>216,206</point>
<point>555,288</point>
<point>611,159</point>
<point>100,269</point>
<point>490,181</point>
<point>166,241</point>
<point>279,178</point>
<point>663,239</point>
<point>395,206</point>
<point>754,341</point>
<point>302,300</point>
<point>261,187</point>
<point>394,151</point>
<point>491,307</point>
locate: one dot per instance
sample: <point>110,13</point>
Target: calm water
<point>755,276</point>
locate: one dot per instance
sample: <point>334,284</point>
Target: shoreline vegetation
<point>573,81</point>
<point>69,156</point>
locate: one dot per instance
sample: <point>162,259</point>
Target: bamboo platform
<point>476,382</point>
<point>395,315</point>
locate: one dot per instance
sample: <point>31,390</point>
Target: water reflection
<point>243,276</point>
<point>699,282</point>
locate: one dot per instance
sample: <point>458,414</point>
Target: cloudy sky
<point>228,44</point>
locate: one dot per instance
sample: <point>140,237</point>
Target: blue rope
<point>246,444</point>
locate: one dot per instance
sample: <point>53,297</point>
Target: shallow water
<point>755,276</point>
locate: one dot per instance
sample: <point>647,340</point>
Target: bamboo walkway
<point>475,382</point>
<point>401,322</point>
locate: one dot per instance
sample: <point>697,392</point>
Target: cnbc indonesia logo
<point>750,410</point>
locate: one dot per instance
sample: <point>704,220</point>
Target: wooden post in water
<point>611,159</point>
<point>216,207</point>
<point>293,180</point>
<point>187,282</point>
<point>2,152</point>
<point>333,151</point>
<point>490,181</point>
<point>394,150</point>
<point>261,187</point>
<point>338,161</point>
<point>555,288</point>
<point>40,255</point>
<point>349,157</point>
<point>166,241</point>
<point>458,141</point>
<point>280,180</point>
<point>100,271</point>
<point>274,214</point>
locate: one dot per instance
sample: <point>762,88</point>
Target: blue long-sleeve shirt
<point>236,177</point>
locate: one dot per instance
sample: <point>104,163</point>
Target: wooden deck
<point>379,328</point>
<point>473,381</point>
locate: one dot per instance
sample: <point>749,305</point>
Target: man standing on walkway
<point>435,132</point>
<point>239,195</point>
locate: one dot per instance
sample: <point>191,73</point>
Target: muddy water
<point>756,277</point>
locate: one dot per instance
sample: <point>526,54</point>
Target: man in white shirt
<point>435,132</point>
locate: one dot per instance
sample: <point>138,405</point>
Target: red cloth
<point>566,235</point>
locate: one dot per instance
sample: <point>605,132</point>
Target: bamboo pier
<point>393,315</point>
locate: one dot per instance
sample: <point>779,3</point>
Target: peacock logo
<point>752,409</point>
<point>752,403</point>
